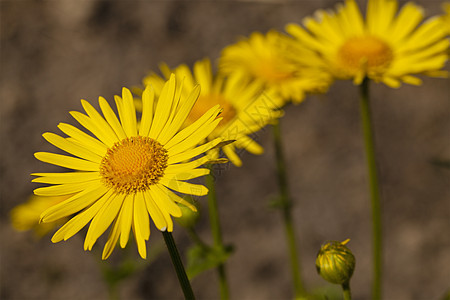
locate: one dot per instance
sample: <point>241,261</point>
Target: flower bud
<point>188,218</point>
<point>335,262</point>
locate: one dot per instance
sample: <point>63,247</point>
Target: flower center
<point>205,102</point>
<point>367,52</point>
<point>272,70</point>
<point>133,164</point>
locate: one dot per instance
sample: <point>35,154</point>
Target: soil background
<point>54,53</point>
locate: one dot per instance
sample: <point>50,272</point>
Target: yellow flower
<point>122,174</point>
<point>267,59</point>
<point>385,47</point>
<point>246,108</point>
<point>25,216</point>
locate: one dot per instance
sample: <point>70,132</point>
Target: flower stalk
<point>178,264</point>
<point>216,231</point>
<point>285,205</point>
<point>369,143</point>
<point>346,290</point>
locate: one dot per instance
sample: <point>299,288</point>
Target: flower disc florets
<point>133,164</point>
<point>365,53</point>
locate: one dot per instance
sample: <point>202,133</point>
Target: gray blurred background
<point>54,53</point>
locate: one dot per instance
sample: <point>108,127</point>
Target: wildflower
<point>124,174</point>
<point>384,47</point>
<point>267,59</point>
<point>25,216</point>
<point>335,262</point>
<point>246,108</point>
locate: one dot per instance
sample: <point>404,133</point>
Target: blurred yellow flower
<point>246,107</point>
<point>267,59</point>
<point>385,47</point>
<point>124,174</point>
<point>25,216</point>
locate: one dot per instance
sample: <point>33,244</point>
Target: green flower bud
<point>189,216</point>
<point>335,262</point>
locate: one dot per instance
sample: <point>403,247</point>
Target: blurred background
<point>54,53</point>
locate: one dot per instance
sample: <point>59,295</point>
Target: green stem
<point>286,207</point>
<point>374,189</point>
<point>216,232</point>
<point>178,264</point>
<point>346,291</point>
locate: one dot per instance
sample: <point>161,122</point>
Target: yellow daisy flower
<point>267,60</point>
<point>122,174</point>
<point>385,47</point>
<point>246,109</point>
<point>26,216</point>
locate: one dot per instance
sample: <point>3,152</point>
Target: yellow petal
<point>162,210</point>
<point>181,115</point>
<point>148,98</point>
<point>195,139</point>
<point>154,212</point>
<point>406,21</point>
<point>89,142</point>
<point>186,167</point>
<point>127,218</point>
<point>111,118</point>
<point>87,123</point>
<point>250,145</point>
<point>186,155</point>
<point>177,198</point>
<point>232,156</point>
<point>70,147</point>
<point>79,221</point>
<point>184,187</point>
<point>164,201</point>
<point>191,174</point>
<point>112,238</point>
<point>203,75</point>
<point>140,241</point>
<point>141,217</point>
<point>103,125</point>
<point>207,118</point>
<point>69,177</point>
<point>103,219</point>
<point>163,107</point>
<point>60,189</point>
<point>129,113</point>
<point>74,204</point>
<point>67,161</point>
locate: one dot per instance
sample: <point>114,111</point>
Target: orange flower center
<point>272,70</point>
<point>133,164</point>
<point>366,53</point>
<point>205,102</point>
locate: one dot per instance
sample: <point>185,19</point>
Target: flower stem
<point>178,264</point>
<point>346,291</point>
<point>216,231</point>
<point>374,188</point>
<point>286,207</point>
